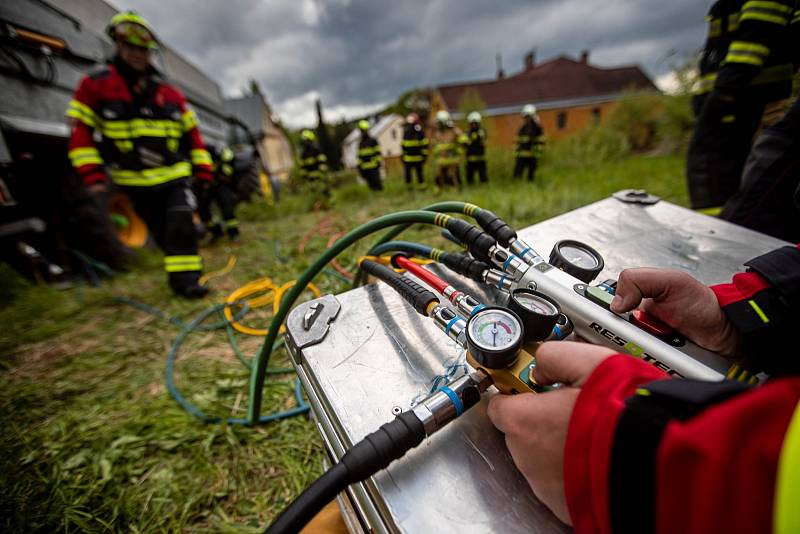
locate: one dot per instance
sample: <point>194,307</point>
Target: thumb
<point>567,362</point>
<point>633,285</point>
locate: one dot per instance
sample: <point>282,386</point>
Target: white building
<point>388,131</point>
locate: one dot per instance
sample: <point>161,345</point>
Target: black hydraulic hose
<point>375,452</point>
<point>415,294</point>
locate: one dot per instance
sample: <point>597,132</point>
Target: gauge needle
<point>494,334</point>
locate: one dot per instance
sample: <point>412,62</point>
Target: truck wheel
<point>248,184</point>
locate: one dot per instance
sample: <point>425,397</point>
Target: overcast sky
<point>358,55</point>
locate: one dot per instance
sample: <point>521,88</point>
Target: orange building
<point>568,95</point>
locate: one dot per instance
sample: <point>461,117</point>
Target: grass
<point>91,440</point>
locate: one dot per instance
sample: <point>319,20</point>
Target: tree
<point>326,144</point>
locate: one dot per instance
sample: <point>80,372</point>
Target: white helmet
<point>528,110</point>
<point>442,116</point>
<point>474,117</point>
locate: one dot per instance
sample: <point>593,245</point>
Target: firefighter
<point>769,198</point>
<point>622,447</point>
<point>415,149</point>
<point>528,143</point>
<point>221,194</point>
<point>313,163</point>
<point>446,151</point>
<point>746,66</point>
<point>475,142</point>
<point>369,158</point>
<point>150,146</point>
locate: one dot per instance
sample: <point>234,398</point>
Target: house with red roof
<point>568,94</point>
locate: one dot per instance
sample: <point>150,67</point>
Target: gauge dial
<point>534,303</point>
<point>494,336</point>
<point>578,259</point>
<point>539,313</point>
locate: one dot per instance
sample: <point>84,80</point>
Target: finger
<point>633,285</point>
<point>510,412</point>
<point>567,362</point>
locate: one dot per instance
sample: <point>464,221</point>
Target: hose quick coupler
<point>477,242</point>
<point>496,227</point>
<point>509,263</point>
<point>498,279</point>
<point>450,401</point>
<point>450,323</point>
<point>464,264</point>
<point>525,252</point>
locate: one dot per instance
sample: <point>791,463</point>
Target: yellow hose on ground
<point>221,272</point>
<point>274,295</point>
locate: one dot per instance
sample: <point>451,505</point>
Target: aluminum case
<point>378,355</point>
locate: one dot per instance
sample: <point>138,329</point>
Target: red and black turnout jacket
<point>646,453</point>
<point>148,135</point>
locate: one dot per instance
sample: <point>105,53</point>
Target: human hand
<point>682,302</point>
<point>536,425</point>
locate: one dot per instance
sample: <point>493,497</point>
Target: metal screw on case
<point>397,410</point>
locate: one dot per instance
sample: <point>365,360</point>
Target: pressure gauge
<point>575,258</point>
<point>494,337</point>
<point>539,312</point>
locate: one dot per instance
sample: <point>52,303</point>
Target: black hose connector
<point>477,242</point>
<point>373,453</point>
<point>496,227</point>
<point>466,265</point>
<point>415,294</point>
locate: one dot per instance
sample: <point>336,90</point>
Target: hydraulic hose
<point>416,249</point>
<point>461,262</point>
<point>262,358</point>
<point>375,452</point>
<point>466,208</point>
<point>419,297</point>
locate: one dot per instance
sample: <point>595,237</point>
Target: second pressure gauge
<point>575,258</point>
<point>539,313</point>
<point>494,337</point>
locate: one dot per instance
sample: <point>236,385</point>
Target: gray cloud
<point>357,54</point>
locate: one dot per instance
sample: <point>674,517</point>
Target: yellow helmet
<point>363,125</point>
<point>308,135</point>
<point>132,28</point>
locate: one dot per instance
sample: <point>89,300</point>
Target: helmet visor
<point>136,35</point>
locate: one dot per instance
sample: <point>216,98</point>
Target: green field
<point>91,440</point>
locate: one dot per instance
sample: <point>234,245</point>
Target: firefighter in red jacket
<point>623,448</point>
<point>150,146</point>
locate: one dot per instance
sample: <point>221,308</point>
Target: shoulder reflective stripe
<point>765,4</point>
<point>786,514</point>
<point>150,177</point>
<point>200,157</point>
<point>84,156</point>
<point>189,120</point>
<point>743,57</point>
<point>82,112</point>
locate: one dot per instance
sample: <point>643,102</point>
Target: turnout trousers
<point>525,165</point>
<point>167,211</point>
